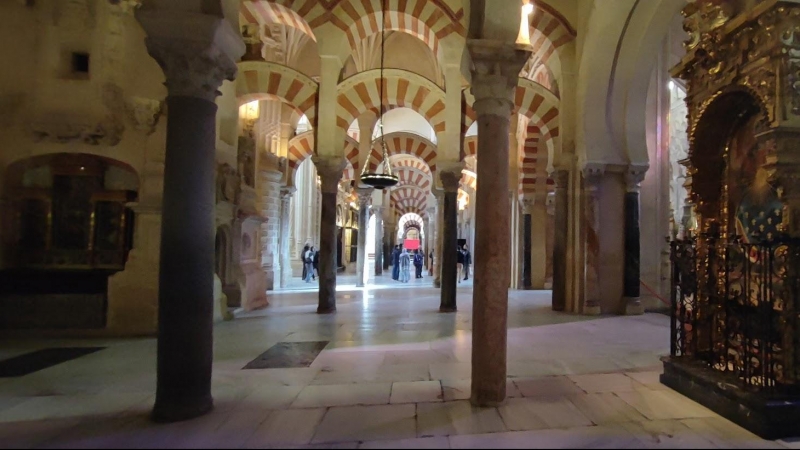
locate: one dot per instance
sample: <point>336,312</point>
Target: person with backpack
<point>418,262</point>
<point>405,266</point>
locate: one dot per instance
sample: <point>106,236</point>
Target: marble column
<point>378,212</point>
<point>449,270</point>
<point>631,293</point>
<point>364,198</point>
<point>330,172</point>
<point>592,177</point>
<point>197,53</point>
<point>527,267</point>
<point>426,247</point>
<point>561,229</point>
<point>270,229</point>
<point>388,240</point>
<point>494,79</point>
<point>437,254</point>
<point>285,238</point>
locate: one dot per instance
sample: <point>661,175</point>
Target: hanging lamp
<point>387,178</point>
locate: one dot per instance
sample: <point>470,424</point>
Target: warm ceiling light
<point>524,36</point>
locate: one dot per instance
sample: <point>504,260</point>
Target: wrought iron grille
<point>735,309</point>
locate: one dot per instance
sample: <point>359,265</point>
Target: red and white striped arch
<point>361,93</point>
<point>403,143</point>
<point>409,199</point>
<point>549,31</point>
<point>301,147</point>
<point>263,12</point>
<point>259,80</point>
<point>470,146</point>
<point>411,171</point>
<point>469,180</point>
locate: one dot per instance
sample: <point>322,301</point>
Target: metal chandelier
<point>387,178</point>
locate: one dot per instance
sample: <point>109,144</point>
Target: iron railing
<point>735,309</point>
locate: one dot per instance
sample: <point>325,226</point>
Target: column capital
<point>450,175</point>
<point>593,173</point>
<point>634,177</point>
<point>527,204</point>
<point>495,74</point>
<point>287,192</point>
<point>197,52</point>
<point>364,196</point>
<point>330,170</point>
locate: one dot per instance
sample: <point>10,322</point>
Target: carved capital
<point>527,204</point>
<point>364,196</point>
<point>197,52</point>
<point>287,192</point>
<point>633,178</point>
<point>592,175</point>
<point>330,170</point>
<point>495,74</point>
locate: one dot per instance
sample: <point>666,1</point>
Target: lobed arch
<point>263,12</point>
<point>259,80</point>
<point>404,144</point>
<point>361,93</point>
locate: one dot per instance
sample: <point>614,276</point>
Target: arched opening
<point>70,228</point>
<point>404,120</point>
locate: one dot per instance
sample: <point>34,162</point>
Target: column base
<point>486,401</point>
<point>447,310</point>
<point>437,283</point>
<point>633,306</point>
<point>169,412</point>
<point>591,310</point>
<point>328,310</point>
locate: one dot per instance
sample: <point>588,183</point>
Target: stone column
<point>426,223</point>
<point>592,177</point>
<point>330,172</point>
<point>378,211</point>
<point>388,240</point>
<point>561,178</point>
<point>449,271</point>
<point>527,207</point>
<point>197,52</point>
<point>631,300</point>
<point>364,197</point>
<point>437,254</point>
<point>286,209</point>
<point>270,229</point>
<point>494,79</point>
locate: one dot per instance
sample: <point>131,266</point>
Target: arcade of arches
<point>165,162</point>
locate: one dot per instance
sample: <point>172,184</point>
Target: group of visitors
<point>310,263</point>
<point>402,261</point>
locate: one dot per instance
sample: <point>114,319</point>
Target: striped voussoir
<point>361,93</point>
<point>412,171</point>
<point>409,199</point>
<point>403,143</point>
<point>259,80</point>
<point>301,147</point>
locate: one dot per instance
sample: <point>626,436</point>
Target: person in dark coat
<point>418,261</point>
<point>467,262</point>
<point>303,257</point>
<point>460,260</point>
<point>396,263</point>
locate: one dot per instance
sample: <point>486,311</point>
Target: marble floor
<point>394,374</point>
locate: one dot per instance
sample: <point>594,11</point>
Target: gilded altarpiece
<point>736,291</point>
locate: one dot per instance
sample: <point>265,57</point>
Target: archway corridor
<point>387,371</point>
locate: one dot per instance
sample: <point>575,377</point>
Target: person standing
<point>467,262</point>
<point>308,262</point>
<point>405,266</point>
<point>303,259</point>
<point>430,263</point>
<point>396,263</point>
<point>460,259</point>
<point>418,261</point>
<point>315,262</point>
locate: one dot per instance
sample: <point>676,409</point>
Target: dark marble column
<point>449,269</point>
<point>437,253</point>
<point>561,227</point>
<point>388,241</point>
<point>195,64</point>
<point>527,246</point>
<point>592,178</point>
<point>378,211</point>
<point>494,79</point>
<point>364,198</point>
<point>330,173</point>
<point>632,281</point>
